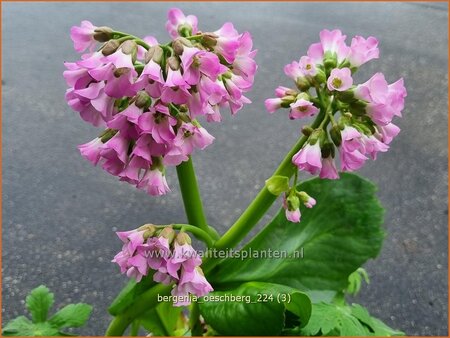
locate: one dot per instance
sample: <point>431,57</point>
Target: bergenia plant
<point>153,101</point>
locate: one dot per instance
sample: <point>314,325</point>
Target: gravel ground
<point>60,213</point>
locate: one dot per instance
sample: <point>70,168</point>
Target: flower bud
<point>110,47</point>
<point>286,101</point>
<point>185,30</point>
<point>293,202</point>
<point>315,136</point>
<point>346,96</point>
<point>307,200</point>
<point>329,60</point>
<point>335,134</point>
<point>155,53</point>
<point>277,184</point>
<point>149,230</point>
<point>103,34</point>
<point>320,76</point>
<point>129,47</point>
<point>178,47</point>
<point>173,62</point>
<point>183,238</point>
<point>302,83</point>
<point>143,100</point>
<point>307,130</point>
<point>209,39</point>
<point>167,233</point>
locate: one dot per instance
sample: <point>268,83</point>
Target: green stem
<point>135,328</point>
<point>191,195</point>
<point>135,38</point>
<point>259,206</point>
<point>197,232</point>
<point>194,320</point>
<point>146,301</point>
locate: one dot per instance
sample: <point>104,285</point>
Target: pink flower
<point>91,150</point>
<point>371,146</point>
<point>83,36</point>
<point>329,169</point>
<point>293,216</point>
<point>198,62</point>
<point>273,104</point>
<point>184,257</point>
<point>190,136</point>
<point>154,183</point>
<point>388,132</point>
<point>310,202</point>
<point>309,158</point>
<point>281,91</point>
<point>114,154</point>
<point>293,70</point>
<point>159,123</point>
<point>191,282</point>
<point>302,108</point>
<point>334,42</point>
<point>307,66</point>
<point>374,90</point>
<point>351,157</point>
<point>244,64</point>
<point>340,79</point>
<point>228,42</point>
<point>178,21</point>
<point>363,50</point>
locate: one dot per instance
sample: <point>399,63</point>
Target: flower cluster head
<point>168,255</point>
<point>354,120</point>
<point>148,96</point>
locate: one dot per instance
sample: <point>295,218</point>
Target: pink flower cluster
<point>360,115</point>
<point>150,95</point>
<point>168,255</point>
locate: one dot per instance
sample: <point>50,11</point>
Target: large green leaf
<point>38,302</point>
<point>259,310</point>
<point>162,320</point>
<point>335,238</point>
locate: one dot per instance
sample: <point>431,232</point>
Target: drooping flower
<point>309,158</point>
<point>83,36</point>
<point>179,23</point>
<point>328,169</point>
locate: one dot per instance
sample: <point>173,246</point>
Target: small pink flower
<point>159,123</point>
<point>293,70</point>
<point>177,19</point>
<point>351,157</point>
<point>340,79</point>
<point>281,91</point>
<point>309,158</point>
<point>329,169</point>
<point>363,50</point>
<point>244,63</point>
<point>388,132</point>
<point>154,183</point>
<point>273,105</point>
<point>293,216</point>
<point>82,36</point>
<point>334,42</point>
<point>302,108</point>
<point>91,150</point>
<point>371,146</point>
<point>307,66</point>
<point>227,42</point>
<point>191,282</point>
<point>310,202</point>
<point>184,257</point>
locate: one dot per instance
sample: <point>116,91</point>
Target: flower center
<point>303,108</point>
<point>337,82</point>
<point>308,66</point>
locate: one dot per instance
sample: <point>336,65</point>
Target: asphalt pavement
<point>60,213</point>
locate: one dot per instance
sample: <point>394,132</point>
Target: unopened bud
<point>173,62</point>
<point>129,47</point>
<point>315,136</point>
<point>143,100</point>
<point>307,130</point>
<point>302,83</point>
<point>293,202</point>
<point>320,76</point>
<point>183,238</point>
<point>335,134</point>
<point>185,30</point>
<point>121,71</point>
<point>286,101</point>
<point>103,34</point>
<point>110,47</point>
<point>209,39</point>
<point>346,96</point>
<point>167,233</point>
<point>155,53</point>
<point>178,47</point>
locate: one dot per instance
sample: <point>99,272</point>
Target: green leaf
<point>277,184</point>
<point>129,293</point>
<point>162,320</point>
<point>259,310</point>
<point>332,240</point>
<point>38,302</point>
<point>72,315</point>
<point>301,306</point>
<point>22,326</point>
<point>375,326</point>
<point>355,279</point>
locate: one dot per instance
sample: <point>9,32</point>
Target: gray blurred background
<point>60,213</point>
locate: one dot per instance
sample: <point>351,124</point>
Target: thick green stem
<point>197,232</point>
<point>191,195</point>
<point>146,301</point>
<point>259,206</point>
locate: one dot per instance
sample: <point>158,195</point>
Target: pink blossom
<point>159,123</point>
<point>83,36</point>
<point>198,62</point>
<point>293,70</point>
<point>190,136</point>
<point>388,132</point>
<point>281,91</point>
<point>273,105</point>
<point>328,169</point>
<point>310,202</point>
<point>340,79</point>
<point>302,108</point>
<point>371,145</point>
<point>177,20</point>
<point>91,150</point>
<point>191,282</point>
<point>351,157</point>
<point>309,158</point>
<point>293,216</point>
<point>307,66</point>
<point>227,42</point>
<point>184,257</point>
<point>244,64</point>
<point>114,154</point>
<point>334,42</point>
<point>154,183</point>
<point>315,53</point>
<point>363,50</point>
